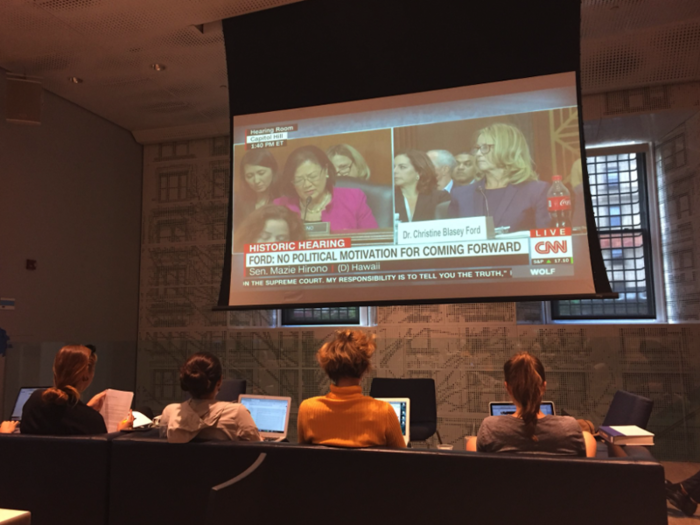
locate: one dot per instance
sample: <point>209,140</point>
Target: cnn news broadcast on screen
<point>458,193</point>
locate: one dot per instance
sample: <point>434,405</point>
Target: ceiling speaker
<point>23,104</point>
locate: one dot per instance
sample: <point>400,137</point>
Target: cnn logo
<point>547,247</point>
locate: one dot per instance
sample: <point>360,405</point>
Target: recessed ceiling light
<point>158,67</point>
<point>75,80</point>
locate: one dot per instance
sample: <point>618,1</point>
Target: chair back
<point>379,199</point>
<point>421,392</point>
<point>231,389</point>
<point>629,409</point>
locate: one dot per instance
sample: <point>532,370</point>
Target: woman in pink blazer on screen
<point>308,182</point>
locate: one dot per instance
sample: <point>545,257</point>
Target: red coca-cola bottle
<point>559,203</point>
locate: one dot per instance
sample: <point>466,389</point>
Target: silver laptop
<point>270,413</point>
<point>504,408</point>
<point>24,393</point>
<point>402,407</point>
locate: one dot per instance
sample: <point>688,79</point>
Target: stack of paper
<point>116,407</point>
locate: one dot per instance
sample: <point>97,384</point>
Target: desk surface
<point>15,517</point>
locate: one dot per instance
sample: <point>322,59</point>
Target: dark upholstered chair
<point>230,390</point>
<point>574,491</point>
<point>421,392</point>
<point>629,409</point>
<point>379,199</point>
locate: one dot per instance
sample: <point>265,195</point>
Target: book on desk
<point>627,435</point>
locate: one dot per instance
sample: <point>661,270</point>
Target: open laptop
<point>270,413</point>
<point>402,407</point>
<point>24,393</point>
<point>504,408</point>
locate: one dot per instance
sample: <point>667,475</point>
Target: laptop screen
<point>22,397</point>
<point>507,409</point>
<point>270,415</point>
<point>400,409</point>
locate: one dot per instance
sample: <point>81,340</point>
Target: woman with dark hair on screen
<point>58,411</point>
<point>344,417</point>
<point>528,430</point>
<point>308,182</point>
<point>509,189</point>
<point>269,224</point>
<point>348,162</point>
<point>258,169</point>
<point>202,416</point>
<point>415,182</point>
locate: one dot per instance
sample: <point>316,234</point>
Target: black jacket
<point>50,419</point>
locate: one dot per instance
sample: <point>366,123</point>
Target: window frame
<point>368,317</point>
<point>655,243</point>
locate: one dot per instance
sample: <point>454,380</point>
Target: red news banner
<point>336,261</point>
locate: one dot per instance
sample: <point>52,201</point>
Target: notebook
<point>24,393</point>
<point>503,408</point>
<point>270,414</point>
<point>402,407</point>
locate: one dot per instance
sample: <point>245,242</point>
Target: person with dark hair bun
<point>58,411</point>
<point>308,184</point>
<point>344,417</point>
<point>529,431</point>
<point>416,188</point>
<point>202,416</point>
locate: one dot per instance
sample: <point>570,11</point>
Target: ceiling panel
<point>111,45</point>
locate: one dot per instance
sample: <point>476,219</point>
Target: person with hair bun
<point>344,417</point>
<point>202,416</point>
<point>528,430</point>
<point>58,411</point>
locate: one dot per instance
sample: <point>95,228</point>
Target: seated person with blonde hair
<point>528,430</point>
<point>344,417</point>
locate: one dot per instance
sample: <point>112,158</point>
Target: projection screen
<point>347,203</point>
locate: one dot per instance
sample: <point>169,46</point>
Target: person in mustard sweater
<point>344,417</point>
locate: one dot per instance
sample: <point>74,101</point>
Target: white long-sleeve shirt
<point>209,420</point>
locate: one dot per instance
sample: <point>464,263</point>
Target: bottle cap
<point>556,177</point>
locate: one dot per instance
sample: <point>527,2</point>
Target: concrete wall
<point>462,347</point>
<point>70,197</point>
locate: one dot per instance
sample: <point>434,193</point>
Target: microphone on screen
<point>486,201</point>
<point>306,207</point>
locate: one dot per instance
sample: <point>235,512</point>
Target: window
<point>173,186</point>
<point>220,146</point>
<point>338,315</point>
<point>171,231</point>
<point>170,276</point>
<point>618,184</point>
<point>220,180</point>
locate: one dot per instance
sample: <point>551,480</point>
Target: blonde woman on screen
<point>509,189</point>
<point>348,162</point>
